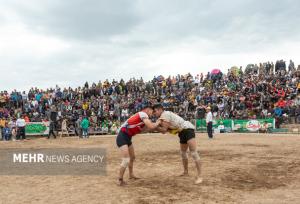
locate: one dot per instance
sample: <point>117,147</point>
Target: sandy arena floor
<point>246,168</point>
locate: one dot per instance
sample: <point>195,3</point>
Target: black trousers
<point>51,132</point>
<point>21,133</point>
<point>210,130</point>
<point>1,134</point>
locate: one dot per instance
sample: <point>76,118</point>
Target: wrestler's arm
<point>149,125</point>
<point>163,127</point>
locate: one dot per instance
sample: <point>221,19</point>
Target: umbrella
<point>215,71</point>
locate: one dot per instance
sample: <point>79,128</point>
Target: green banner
<point>253,125</point>
<point>238,125</point>
<point>200,125</point>
<point>217,124</point>
<point>37,128</point>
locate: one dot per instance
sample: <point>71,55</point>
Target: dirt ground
<point>238,168</point>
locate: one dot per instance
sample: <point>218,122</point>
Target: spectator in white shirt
<point>24,96</point>
<point>209,121</point>
<point>20,123</point>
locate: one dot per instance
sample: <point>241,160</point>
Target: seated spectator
<point>98,128</point>
<point>264,128</point>
<point>104,128</point>
<point>221,127</point>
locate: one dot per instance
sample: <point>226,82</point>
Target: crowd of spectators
<point>258,91</point>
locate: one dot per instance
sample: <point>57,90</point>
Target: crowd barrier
<point>227,125</point>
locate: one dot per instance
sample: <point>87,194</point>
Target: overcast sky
<point>68,42</point>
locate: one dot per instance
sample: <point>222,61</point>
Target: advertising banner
<point>252,125</point>
<point>201,124</point>
<point>36,128</point>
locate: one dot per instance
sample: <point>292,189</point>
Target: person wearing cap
<point>139,122</point>
<point>175,124</point>
<point>209,122</point>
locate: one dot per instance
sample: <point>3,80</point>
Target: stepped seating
<point>294,128</point>
<point>279,130</point>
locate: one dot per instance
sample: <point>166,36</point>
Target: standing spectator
<point>292,112</point>
<point>6,132</point>
<point>268,68</point>
<point>272,68</point>
<point>2,125</point>
<point>186,106</point>
<point>291,66</point>
<point>278,116</point>
<point>20,123</point>
<point>85,127</point>
<point>78,129</point>
<point>297,114</point>
<point>200,113</point>
<point>51,130</point>
<point>277,66</point>
<point>209,122</point>
<point>215,110</point>
<point>13,126</point>
<point>278,111</point>
<point>24,97</point>
<point>64,127</point>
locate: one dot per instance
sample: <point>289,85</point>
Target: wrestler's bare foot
<point>133,177</point>
<point>198,180</point>
<point>121,182</point>
<point>184,174</point>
